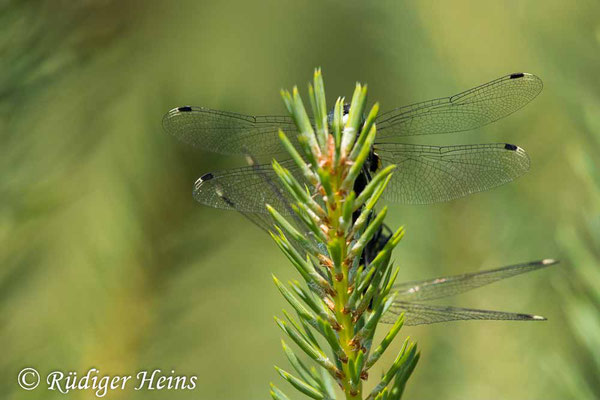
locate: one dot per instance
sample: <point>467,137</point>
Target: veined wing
<point>452,285</point>
<point>246,189</point>
<point>431,174</point>
<point>419,314</point>
<point>263,221</point>
<point>228,133</point>
<point>468,110</point>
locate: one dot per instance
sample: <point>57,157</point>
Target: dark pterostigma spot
<point>184,109</point>
<point>517,75</point>
<point>507,146</point>
<point>206,177</point>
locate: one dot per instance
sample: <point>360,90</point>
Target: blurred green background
<point>107,262</point>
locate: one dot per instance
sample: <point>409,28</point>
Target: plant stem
<point>352,391</point>
<point>325,201</point>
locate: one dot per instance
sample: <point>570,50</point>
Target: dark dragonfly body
<point>370,167</point>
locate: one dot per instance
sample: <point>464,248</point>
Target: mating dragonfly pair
<point>425,174</point>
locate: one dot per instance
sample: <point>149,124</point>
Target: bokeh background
<point>107,262</point>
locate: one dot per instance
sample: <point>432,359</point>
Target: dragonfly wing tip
<point>205,177</point>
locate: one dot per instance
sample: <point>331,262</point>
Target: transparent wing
<point>263,221</point>
<point>452,285</point>
<point>462,112</point>
<point>419,314</point>
<point>246,189</point>
<point>431,174</point>
<point>228,133</point>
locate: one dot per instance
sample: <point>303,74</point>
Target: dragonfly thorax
<point>345,112</point>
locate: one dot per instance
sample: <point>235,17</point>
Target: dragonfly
<point>425,174</point>
<point>247,189</point>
